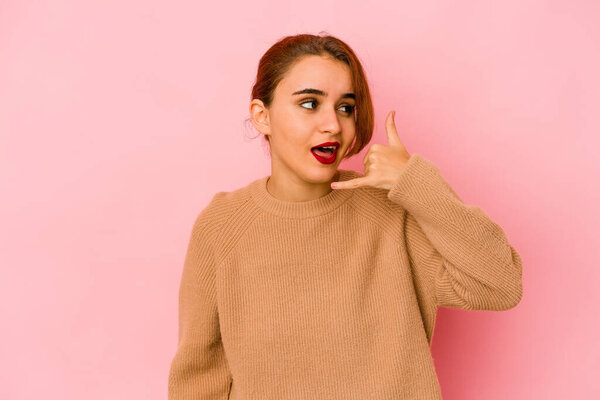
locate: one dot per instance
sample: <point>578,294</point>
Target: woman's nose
<point>330,122</point>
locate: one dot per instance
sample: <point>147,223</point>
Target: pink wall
<point>112,118</point>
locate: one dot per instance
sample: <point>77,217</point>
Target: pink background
<point>115,117</point>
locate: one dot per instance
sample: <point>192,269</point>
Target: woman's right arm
<point>199,369</point>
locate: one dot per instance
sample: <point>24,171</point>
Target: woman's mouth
<point>325,155</point>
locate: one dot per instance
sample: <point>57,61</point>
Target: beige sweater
<point>332,298</point>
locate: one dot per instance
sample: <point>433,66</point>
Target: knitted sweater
<point>336,297</point>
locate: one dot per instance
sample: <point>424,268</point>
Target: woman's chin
<point>324,176</point>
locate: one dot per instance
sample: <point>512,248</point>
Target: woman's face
<point>314,103</point>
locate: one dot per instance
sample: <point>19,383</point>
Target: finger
<point>390,128</point>
<point>351,184</point>
<point>372,148</point>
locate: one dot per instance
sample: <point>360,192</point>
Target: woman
<point>321,283</point>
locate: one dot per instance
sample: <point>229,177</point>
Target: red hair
<point>280,57</point>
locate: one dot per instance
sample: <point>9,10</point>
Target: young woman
<point>322,283</point>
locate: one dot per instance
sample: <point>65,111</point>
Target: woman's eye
<point>309,101</point>
<point>349,108</point>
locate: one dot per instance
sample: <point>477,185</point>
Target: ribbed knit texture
<point>332,298</point>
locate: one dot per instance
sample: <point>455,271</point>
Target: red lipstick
<point>326,152</point>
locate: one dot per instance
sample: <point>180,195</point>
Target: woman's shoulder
<point>226,205</point>
<point>226,202</point>
<point>216,220</point>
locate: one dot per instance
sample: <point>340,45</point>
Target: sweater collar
<point>300,209</point>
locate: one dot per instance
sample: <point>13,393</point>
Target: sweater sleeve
<point>199,369</point>
<point>457,251</point>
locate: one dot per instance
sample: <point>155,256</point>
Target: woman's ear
<point>259,115</point>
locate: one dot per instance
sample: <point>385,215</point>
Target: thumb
<point>390,128</point>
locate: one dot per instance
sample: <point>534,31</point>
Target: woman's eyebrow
<point>322,93</point>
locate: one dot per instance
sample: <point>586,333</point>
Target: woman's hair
<point>280,57</point>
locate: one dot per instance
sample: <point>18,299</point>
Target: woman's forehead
<point>329,76</point>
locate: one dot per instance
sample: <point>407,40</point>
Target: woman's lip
<point>327,144</point>
<point>326,160</point>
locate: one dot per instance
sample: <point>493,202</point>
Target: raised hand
<point>383,163</point>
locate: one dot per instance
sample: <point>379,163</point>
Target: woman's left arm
<point>456,248</point>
